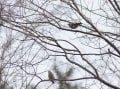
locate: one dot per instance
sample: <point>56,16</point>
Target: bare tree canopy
<point>82,34</point>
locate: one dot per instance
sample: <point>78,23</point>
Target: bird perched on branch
<point>74,25</point>
<point>51,76</point>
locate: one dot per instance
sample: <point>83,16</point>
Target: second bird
<point>51,76</point>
